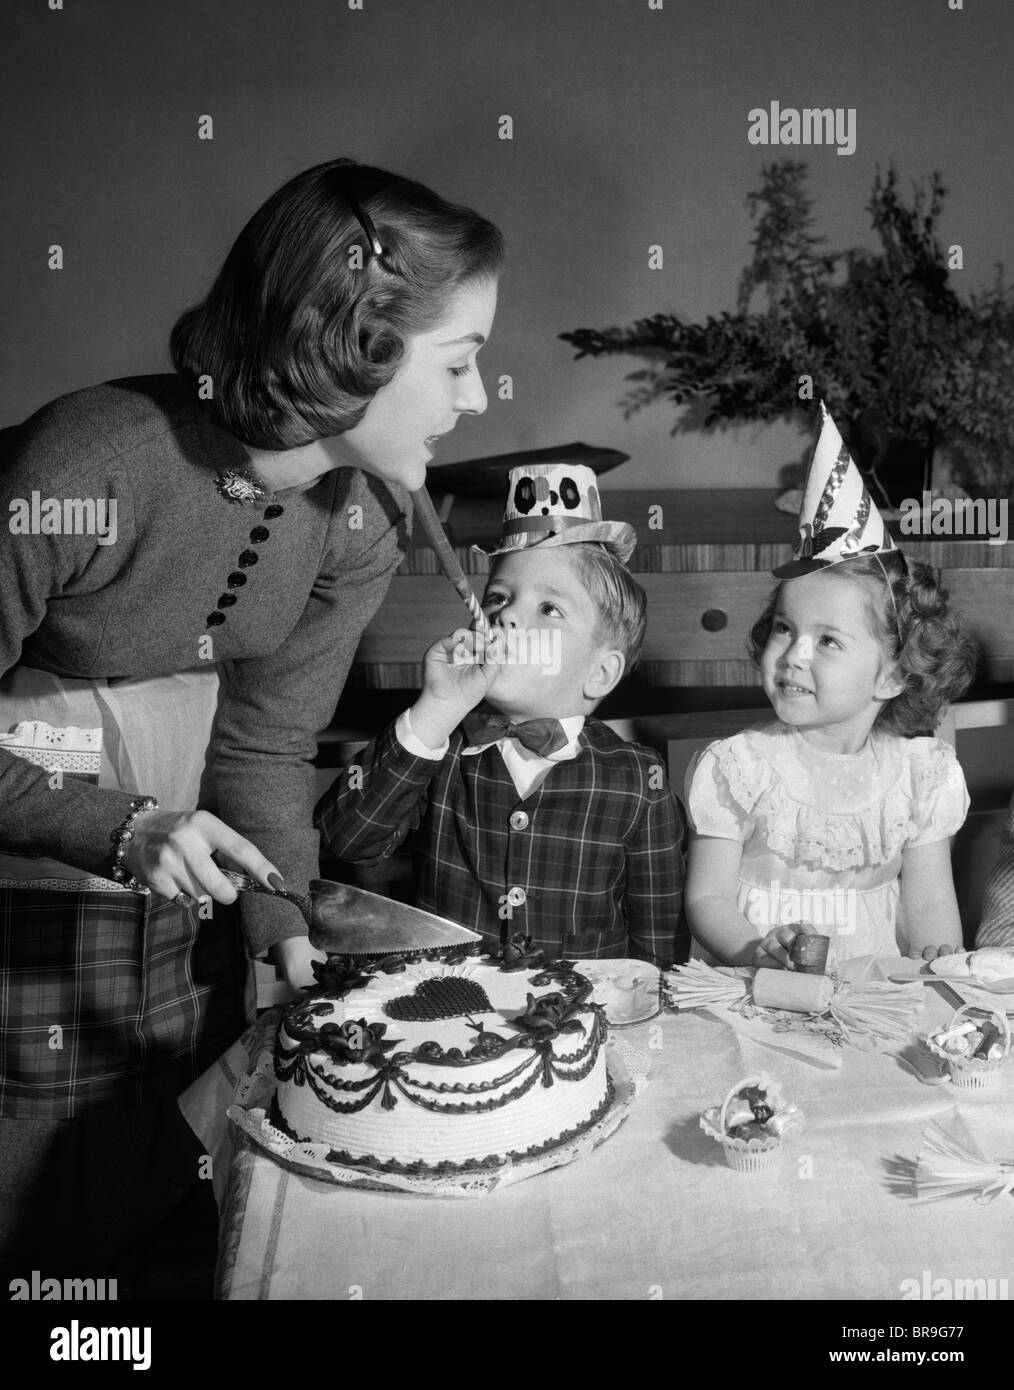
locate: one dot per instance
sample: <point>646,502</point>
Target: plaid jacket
<point>111,999</point>
<point>589,865</point>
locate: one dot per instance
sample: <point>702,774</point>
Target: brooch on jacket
<point>239,486</point>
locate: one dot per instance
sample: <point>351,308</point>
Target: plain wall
<point>630,128</point>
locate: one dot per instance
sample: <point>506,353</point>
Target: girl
<point>837,818</point>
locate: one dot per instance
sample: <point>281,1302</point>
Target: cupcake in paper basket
<point>974,1050</point>
<point>750,1123</point>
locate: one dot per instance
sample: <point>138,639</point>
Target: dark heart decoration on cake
<point>449,996</point>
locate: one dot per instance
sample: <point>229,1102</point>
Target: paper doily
<point>627,1067</point>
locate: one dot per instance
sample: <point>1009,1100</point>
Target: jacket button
<point>516,896</point>
<point>519,821</point>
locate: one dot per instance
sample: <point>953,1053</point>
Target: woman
<point>260,501</point>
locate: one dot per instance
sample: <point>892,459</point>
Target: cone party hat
<point>838,519</point>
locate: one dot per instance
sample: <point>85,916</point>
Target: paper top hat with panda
<point>838,519</point>
<point>551,504</point>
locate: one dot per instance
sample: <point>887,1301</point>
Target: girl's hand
<point>928,900</point>
<point>773,952</point>
<point>170,853</point>
<point>931,952</point>
<point>459,671</point>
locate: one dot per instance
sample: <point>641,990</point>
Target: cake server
<point>349,921</point>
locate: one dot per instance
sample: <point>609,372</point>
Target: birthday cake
<point>447,1063</point>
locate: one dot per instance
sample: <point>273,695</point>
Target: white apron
<point>155,738</point>
<point>185,991</point>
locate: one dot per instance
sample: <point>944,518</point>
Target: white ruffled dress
<point>823,833</point>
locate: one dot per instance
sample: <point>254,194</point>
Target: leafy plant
<point>890,347</point>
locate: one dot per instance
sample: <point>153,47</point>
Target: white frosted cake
<point>443,1064</point>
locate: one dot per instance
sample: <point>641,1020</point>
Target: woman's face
<point>438,380</point>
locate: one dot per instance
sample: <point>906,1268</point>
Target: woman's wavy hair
<point>305,323</point>
<point>936,659</point>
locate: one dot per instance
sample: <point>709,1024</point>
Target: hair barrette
<point>366,222</point>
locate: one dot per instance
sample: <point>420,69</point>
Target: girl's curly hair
<point>936,659</point>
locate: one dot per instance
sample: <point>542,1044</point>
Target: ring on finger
<point>183,900</point>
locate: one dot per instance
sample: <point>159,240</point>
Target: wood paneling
<point>679,649</point>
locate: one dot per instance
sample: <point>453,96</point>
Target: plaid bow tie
<point>542,736</point>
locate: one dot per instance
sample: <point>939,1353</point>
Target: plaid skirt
<point>111,999</point>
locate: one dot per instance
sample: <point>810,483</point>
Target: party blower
<point>444,551</point>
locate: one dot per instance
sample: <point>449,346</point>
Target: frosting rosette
<point>550,1014</point>
<point>519,954</point>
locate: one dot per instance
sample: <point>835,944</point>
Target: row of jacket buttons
<point>516,896</point>
<point>246,561</point>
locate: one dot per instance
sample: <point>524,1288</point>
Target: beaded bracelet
<point>121,838</point>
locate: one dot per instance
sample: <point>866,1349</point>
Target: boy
<point>563,832</point>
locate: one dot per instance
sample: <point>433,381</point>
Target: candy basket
<point>742,1155</point>
<point>973,1073</point>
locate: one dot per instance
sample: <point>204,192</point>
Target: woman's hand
<point>458,673</point>
<point>773,953</point>
<point>170,853</point>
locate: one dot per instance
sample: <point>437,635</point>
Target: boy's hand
<point>459,671</point>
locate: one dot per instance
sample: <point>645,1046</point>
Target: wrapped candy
<point>870,1014</point>
<point>786,989</point>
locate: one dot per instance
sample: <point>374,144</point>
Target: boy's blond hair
<point>621,603</point>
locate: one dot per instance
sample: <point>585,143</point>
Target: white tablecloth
<point>654,1212</point>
